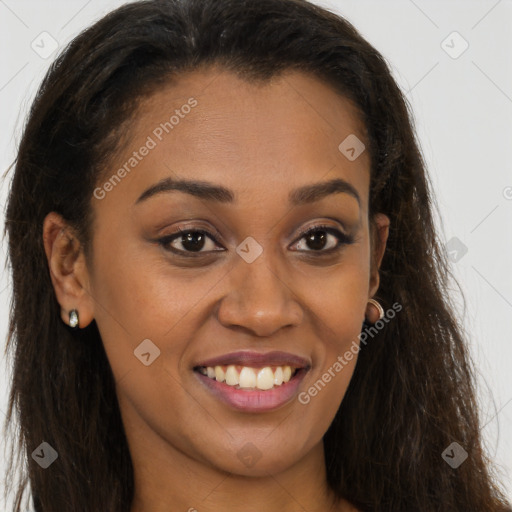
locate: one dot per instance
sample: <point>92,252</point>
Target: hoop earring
<point>73,319</point>
<point>379,308</point>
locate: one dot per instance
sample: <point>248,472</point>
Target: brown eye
<point>191,241</point>
<point>323,239</point>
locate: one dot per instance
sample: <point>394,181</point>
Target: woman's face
<point>244,278</point>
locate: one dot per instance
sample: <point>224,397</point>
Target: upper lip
<point>257,359</point>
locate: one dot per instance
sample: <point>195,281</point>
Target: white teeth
<point>278,376</point>
<point>266,378</point>
<point>249,378</point>
<point>219,374</point>
<point>232,376</point>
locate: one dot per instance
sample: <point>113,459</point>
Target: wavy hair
<point>413,390</point>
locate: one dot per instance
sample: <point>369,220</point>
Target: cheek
<point>338,326</point>
<point>139,293</point>
<point>324,392</point>
<point>131,305</point>
<point>338,304</point>
<point>339,296</point>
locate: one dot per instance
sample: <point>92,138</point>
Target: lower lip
<point>254,400</point>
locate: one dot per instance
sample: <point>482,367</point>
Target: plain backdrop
<point>453,61</point>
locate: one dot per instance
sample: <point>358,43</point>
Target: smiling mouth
<point>249,378</point>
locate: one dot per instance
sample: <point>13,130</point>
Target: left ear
<point>379,233</point>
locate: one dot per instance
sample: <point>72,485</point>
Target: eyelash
<point>343,239</point>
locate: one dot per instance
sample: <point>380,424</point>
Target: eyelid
<point>319,227</point>
<point>342,237</point>
<point>212,233</point>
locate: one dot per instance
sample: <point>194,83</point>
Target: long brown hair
<point>412,392</point>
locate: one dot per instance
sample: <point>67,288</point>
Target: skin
<point>261,142</point>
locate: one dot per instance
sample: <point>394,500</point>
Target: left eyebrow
<point>317,191</point>
<point>212,192</point>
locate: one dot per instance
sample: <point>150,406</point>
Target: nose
<point>259,299</point>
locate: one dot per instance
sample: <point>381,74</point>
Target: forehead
<point>255,137</point>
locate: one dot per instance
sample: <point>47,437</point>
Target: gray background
<point>462,104</point>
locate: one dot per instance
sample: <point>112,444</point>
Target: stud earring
<point>73,319</point>
<point>379,309</point>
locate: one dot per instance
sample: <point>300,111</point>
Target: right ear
<point>68,269</point>
<point>382,223</point>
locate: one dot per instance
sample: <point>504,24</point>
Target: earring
<point>379,309</point>
<point>73,319</point>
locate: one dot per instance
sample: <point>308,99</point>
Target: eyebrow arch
<point>317,191</point>
<point>200,189</point>
<point>205,190</point>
